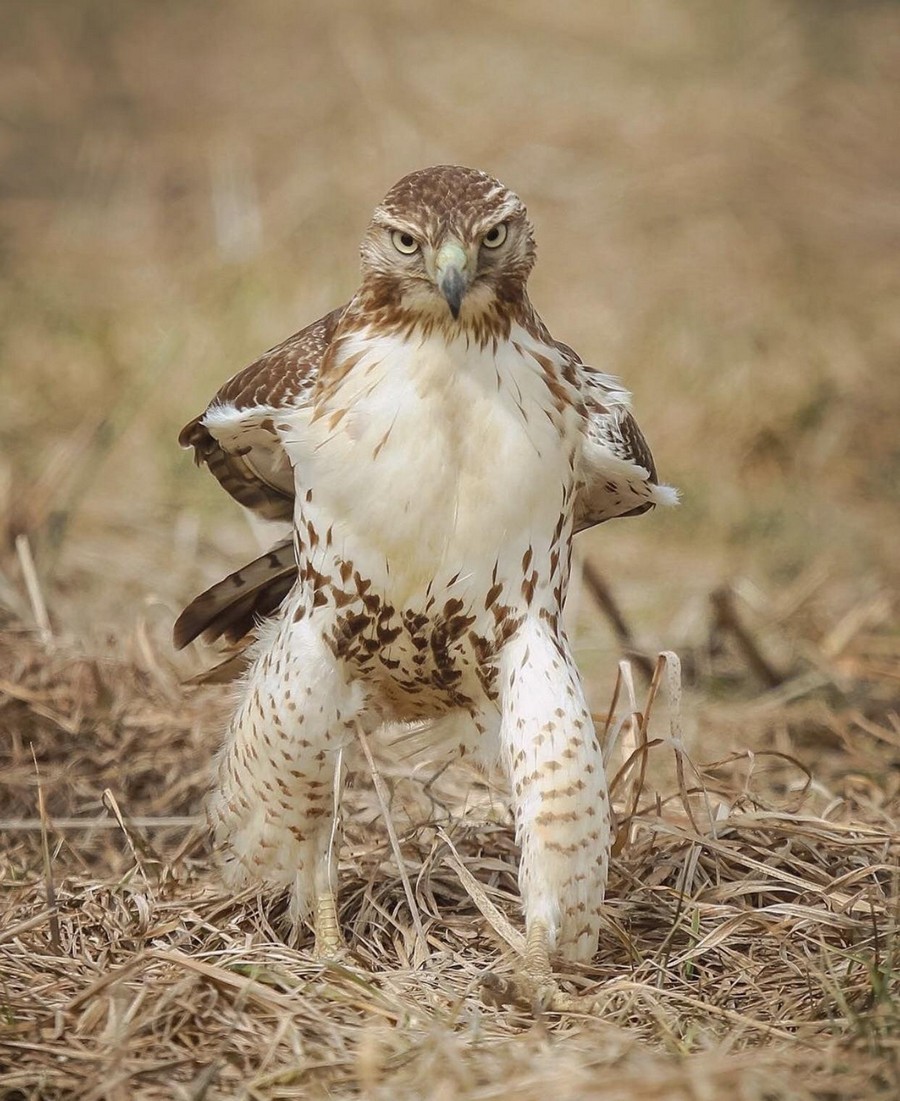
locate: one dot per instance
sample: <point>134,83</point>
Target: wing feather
<point>235,435</point>
<point>617,475</point>
<point>232,607</point>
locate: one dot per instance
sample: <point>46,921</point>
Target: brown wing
<point>235,436</point>
<point>618,475</point>
<point>232,607</point>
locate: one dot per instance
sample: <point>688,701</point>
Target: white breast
<point>433,457</point>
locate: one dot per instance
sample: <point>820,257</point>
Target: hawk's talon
<point>534,995</point>
<point>533,987</point>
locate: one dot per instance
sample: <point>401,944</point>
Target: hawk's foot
<point>533,986</point>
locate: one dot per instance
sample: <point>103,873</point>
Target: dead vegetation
<point>751,940</point>
<point>714,191</point>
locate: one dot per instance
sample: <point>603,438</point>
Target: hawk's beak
<point>451,274</point>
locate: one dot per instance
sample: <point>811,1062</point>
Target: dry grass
<point>751,940</point>
<point>714,188</point>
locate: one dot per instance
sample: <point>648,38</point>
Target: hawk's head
<point>448,244</point>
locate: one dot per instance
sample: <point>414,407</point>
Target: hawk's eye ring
<point>495,237</point>
<point>404,242</point>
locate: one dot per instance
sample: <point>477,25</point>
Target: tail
<point>232,608</point>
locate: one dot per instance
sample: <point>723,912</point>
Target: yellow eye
<point>404,242</point>
<point>495,237</point>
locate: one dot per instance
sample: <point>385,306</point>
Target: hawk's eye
<point>495,237</point>
<point>404,242</point>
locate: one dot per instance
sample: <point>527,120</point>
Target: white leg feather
<point>273,808</point>
<point>559,790</point>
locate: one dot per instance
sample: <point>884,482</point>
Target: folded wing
<point>617,476</point>
<point>235,435</point>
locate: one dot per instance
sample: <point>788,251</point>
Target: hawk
<point>435,450</point>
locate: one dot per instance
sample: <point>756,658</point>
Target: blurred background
<point>714,188</point>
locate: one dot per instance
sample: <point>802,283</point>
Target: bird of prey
<point>435,450</point>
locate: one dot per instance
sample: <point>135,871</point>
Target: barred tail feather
<point>232,607</point>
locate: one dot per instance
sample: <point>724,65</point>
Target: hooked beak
<point>451,275</point>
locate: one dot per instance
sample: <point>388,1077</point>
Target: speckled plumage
<point>435,450</point>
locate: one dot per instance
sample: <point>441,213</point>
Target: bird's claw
<point>533,986</point>
<point>538,995</point>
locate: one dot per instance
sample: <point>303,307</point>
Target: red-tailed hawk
<point>435,449</point>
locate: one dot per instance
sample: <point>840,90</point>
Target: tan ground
<point>714,187</point>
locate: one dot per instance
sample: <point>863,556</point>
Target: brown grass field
<point>716,199</point>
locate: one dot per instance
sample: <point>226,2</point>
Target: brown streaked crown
<point>450,199</point>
